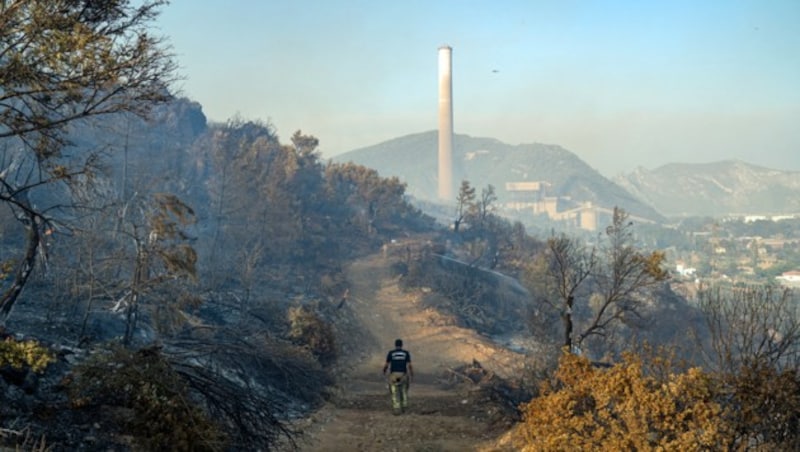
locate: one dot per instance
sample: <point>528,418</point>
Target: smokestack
<point>445,124</point>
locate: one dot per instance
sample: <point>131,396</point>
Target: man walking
<point>398,363</point>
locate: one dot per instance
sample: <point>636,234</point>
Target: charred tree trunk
<point>24,269</point>
<point>567,317</point>
<point>139,277</point>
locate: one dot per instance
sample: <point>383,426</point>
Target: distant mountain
<point>715,189</point>
<point>483,161</point>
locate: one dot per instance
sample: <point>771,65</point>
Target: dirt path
<point>359,417</point>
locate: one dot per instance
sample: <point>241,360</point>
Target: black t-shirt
<point>398,359</point>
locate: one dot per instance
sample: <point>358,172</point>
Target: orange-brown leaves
<point>623,408</point>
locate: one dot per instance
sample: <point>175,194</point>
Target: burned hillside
<point>474,297</point>
<point>215,268</point>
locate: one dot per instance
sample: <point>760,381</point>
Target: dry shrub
<point>148,399</point>
<point>764,407</point>
<point>250,386</point>
<point>333,283</point>
<point>624,408</point>
<point>22,355</point>
<point>308,329</point>
<point>490,389</point>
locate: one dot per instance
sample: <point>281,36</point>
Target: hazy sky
<point>620,83</point>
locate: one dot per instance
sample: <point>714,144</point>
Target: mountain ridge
<point>487,161</point>
<point>721,188</point>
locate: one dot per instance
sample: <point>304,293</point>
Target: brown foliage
<point>151,401</point>
<point>308,329</point>
<point>624,408</point>
<point>764,408</point>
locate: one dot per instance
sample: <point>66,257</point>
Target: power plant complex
<point>531,196</point>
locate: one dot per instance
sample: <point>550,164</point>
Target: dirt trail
<point>359,417</point>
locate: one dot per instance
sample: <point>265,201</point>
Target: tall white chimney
<point>445,123</point>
